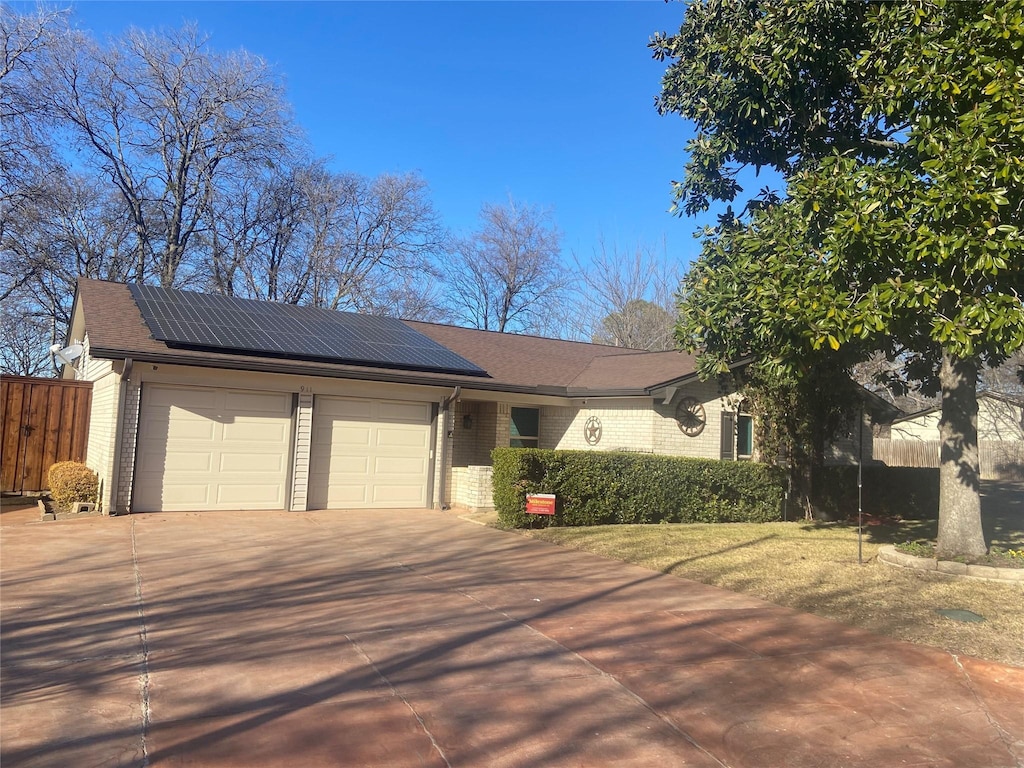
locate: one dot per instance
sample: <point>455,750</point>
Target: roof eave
<point>285,367</point>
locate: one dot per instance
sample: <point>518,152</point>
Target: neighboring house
<point>217,403</point>
<point>913,440</point>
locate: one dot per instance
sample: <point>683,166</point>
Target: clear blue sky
<point>551,102</point>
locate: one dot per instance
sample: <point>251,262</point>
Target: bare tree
<point>70,229</point>
<point>152,158</point>
<point>626,298</point>
<point>24,340</point>
<point>165,119</point>
<point>1008,378</point>
<point>372,236</point>
<point>27,150</point>
<point>503,277</point>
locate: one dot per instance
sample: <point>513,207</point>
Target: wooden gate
<point>43,421</point>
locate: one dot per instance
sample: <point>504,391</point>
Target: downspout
<point>115,476</point>
<point>445,434</point>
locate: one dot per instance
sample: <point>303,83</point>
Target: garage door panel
<point>350,465</point>
<point>207,448</point>
<point>154,461</point>
<point>243,495</point>
<point>252,462</point>
<point>180,398</point>
<point>183,495</point>
<point>390,466</point>
<point>369,453</point>
<point>409,413</point>
<point>346,407</point>
<point>182,461</point>
<point>342,438</point>
<point>388,437</point>
<point>398,495</point>
<point>342,495</point>
<point>257,402</point>
<point>355,466</point>
<point>250,431</point>
<point>184,429</point>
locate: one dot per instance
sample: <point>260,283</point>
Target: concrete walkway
<point>418,639</point>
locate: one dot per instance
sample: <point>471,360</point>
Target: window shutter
<point>728,435</point>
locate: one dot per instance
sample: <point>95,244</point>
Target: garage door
<point>207,448</point>
<point>369,453</point>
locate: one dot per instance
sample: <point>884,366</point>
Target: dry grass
<point>814,568</point>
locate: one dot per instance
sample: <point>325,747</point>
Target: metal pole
<point>860,479</point>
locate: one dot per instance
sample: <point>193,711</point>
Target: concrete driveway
<point>419,639</point>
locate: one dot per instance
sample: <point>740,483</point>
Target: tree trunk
<point>960,532</point>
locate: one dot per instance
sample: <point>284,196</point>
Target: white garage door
<point>369,453</point>
<point>207,448</point>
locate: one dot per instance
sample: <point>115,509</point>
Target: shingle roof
<point>514,363</point>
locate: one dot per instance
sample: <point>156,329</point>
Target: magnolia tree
<point>899,130</point>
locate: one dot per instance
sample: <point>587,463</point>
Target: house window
<point>524,431</point>
<point>744,436</point>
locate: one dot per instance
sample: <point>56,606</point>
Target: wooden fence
<point>1000,459</point>
<point>43,421</point>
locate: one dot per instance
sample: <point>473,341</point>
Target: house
<point>913,439</point>
<point>218,403</point>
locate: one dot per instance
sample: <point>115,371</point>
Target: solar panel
<point>266,328</point>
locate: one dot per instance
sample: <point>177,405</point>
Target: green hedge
<point>602,488</point>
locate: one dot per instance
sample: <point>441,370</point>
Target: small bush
<point>72,481</point>
<point>602,488</point>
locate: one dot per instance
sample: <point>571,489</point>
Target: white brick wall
<point>625,425</point>
<point>672,441</point>
<point>472,488</point>
<point>639,424</point>
<point>129,430</point>
<point>102,431</point>
<point>100,449</point>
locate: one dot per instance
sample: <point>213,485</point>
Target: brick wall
<point>102,420</point>
<point>472,488</point>
<point>625,425</point>
<point>670,440</point>
<point>639,424</point>
<point>129,430</point>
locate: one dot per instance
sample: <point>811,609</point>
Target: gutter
<point>264,366</point>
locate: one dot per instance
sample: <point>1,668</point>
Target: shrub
<point>72,481</point>
<point>601,488</point>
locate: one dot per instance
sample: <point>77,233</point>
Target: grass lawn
<point>813,567</point>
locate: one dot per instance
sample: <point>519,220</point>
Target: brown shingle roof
<point>642,371</point>
<point>514,363</point>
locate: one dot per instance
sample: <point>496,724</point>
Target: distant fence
<point>1000,459</point>
<point>43,421</point>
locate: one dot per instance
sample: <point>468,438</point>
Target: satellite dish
<point>66,355</point>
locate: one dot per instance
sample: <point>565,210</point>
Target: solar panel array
<point>265,328</point>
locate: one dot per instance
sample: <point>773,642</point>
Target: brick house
<point>208,402</point>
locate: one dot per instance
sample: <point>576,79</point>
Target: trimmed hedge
<point>603,488</point>
<point>72,481</point>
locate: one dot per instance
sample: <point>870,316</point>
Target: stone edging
<point>890,556</point>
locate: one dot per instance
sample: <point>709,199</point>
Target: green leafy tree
<point>899,128</point>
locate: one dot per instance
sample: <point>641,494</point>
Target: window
<point>524,431</point>
<point>744,436</point>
